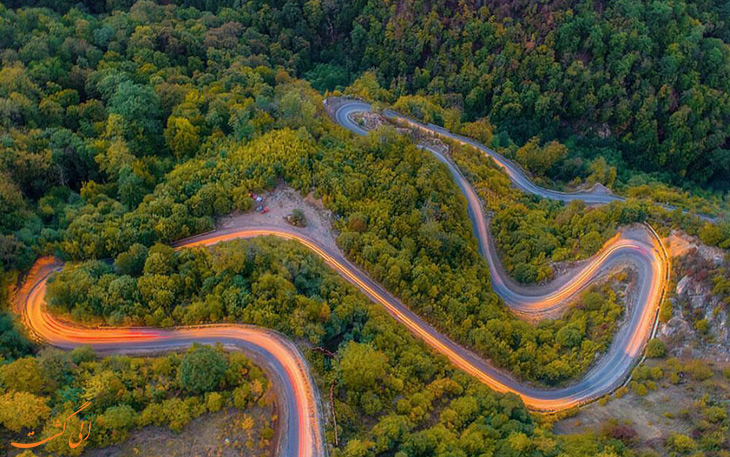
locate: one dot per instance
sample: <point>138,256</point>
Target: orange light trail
<point>458,356</point>
<point>30,302</point>
<point>57,332</point>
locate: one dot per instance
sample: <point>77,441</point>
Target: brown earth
<point>646,415</point>
<point>281,202</point>
<point>669,409</point>
<point>230,433</point>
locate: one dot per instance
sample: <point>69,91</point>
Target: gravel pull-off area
<point>281,202</point>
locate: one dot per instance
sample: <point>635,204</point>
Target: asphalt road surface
<point>301,428</point>
<point>637,247</point>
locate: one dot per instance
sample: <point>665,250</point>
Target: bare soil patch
<point>671,408</point>
<point>229,433</point>
<point>281,202</point>
<point>679,244</point>
<point>646,415</point>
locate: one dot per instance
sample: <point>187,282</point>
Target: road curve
<point>641,249</point>
<point>602,379</point>
<point>301,433</point>
<point>516,174</point>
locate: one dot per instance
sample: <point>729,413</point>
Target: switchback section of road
<point>602,379</point>
<point>637,246</point>
<point>302,433</point>
<point>300,421</point>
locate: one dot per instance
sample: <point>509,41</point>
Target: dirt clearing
<point>230,433</point>
<point>281,202</point>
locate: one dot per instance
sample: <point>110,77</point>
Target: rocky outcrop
<point>699,324</point>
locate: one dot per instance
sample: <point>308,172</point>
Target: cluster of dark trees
<point>648,82</point>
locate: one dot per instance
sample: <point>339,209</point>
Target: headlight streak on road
<point>301,429</point>
<point>303,432</point>
<point>645,253</point>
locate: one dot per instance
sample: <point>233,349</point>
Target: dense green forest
<point>393,395</point>
<point>171,145</point>
<point>648,80</point>
<point>645,83</point>
<point>124,131</point>
<point>532,234</point>
<point>555,165</point>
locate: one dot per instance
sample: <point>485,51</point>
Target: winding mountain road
<point>640,248</point>
<point>345,108</point>
<point>300,429</point>
<point>301,433</point>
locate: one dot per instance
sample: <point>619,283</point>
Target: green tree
<point>202,369</point>
<point>20,410</point>
<point>12,343</point>
<point>362,366</point>
<point>139,109</point>
<point>680,444</point>
<point>56,367</point>
<point>368,87</point>
<point>182,137</point>
<point>132,261</point>
<point>22,375</point>
<point>540,160</point>
<point>656,349</point>
<point>326,76</point>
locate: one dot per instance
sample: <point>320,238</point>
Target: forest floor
<point>226,433</point>
<point>644,414</point>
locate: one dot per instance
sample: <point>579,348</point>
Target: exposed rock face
<point>699,324</point>
<point>369,121</point>
<point>601,189</point>
<point>675,326</point>
<point>682,285</point>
